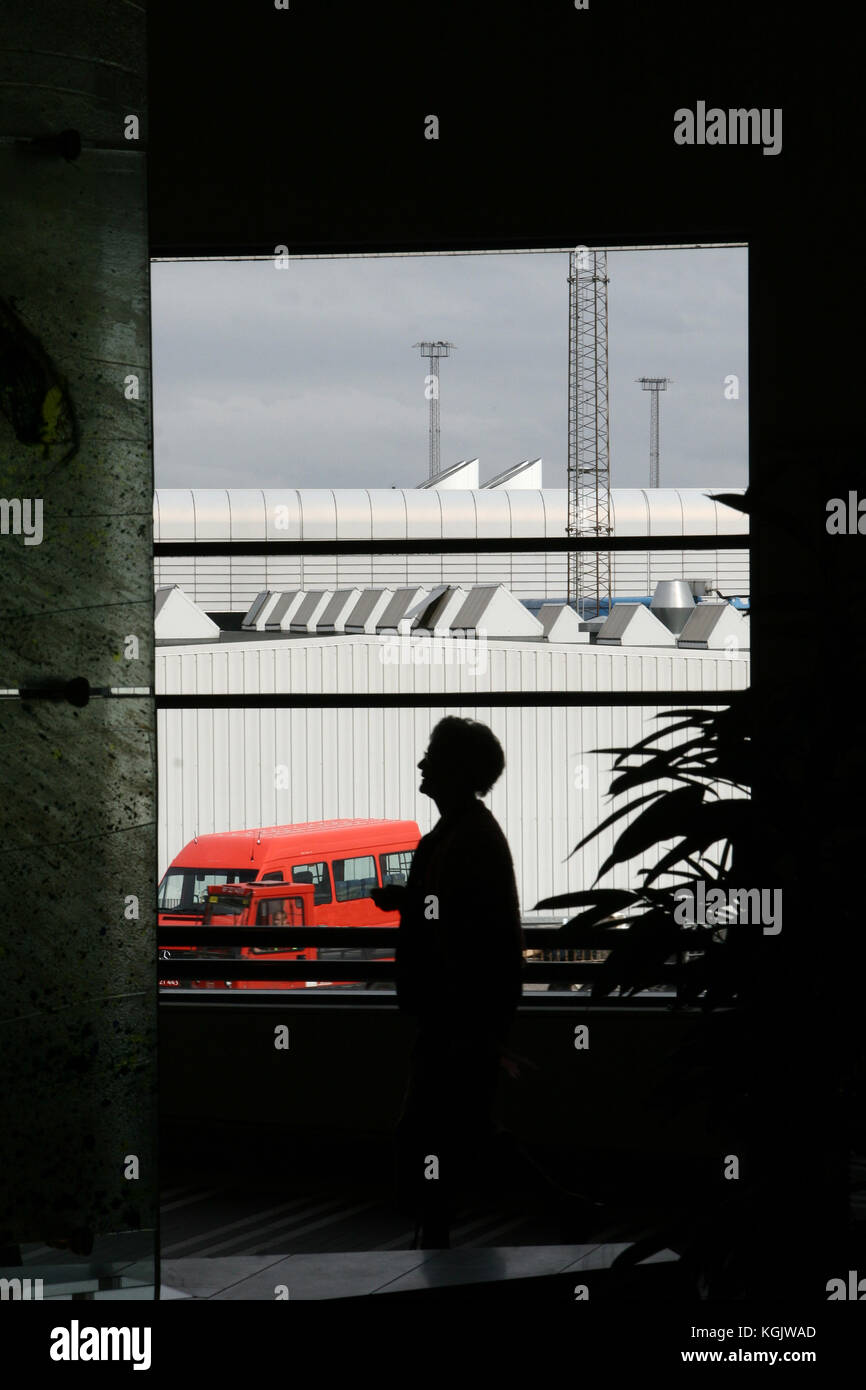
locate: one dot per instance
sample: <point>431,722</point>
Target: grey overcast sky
<point>307,377</point>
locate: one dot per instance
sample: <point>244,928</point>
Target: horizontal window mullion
<point>481,545</point>
<point>507,699</point>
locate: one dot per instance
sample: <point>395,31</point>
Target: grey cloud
<point>308,377</point>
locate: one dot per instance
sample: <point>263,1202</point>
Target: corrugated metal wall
<point>220,770</point>
<point>223,584</point>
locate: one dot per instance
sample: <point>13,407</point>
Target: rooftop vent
<point>715,627</point>
<point>437,612</point>
<point>460,475</point>
<point>279,617</point>
<point>699,587</point>
<point>522,476</point>
<point>561,623</point>
<point>491,610</point>
<point>333,617</point>
<point>310,609</point>
<point>633,625</point>
<point>178,619</point>
<point>400,605</point>
<point>368,610</point>
<point>672,603</point>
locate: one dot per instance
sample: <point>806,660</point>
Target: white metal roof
<point>389,513</point>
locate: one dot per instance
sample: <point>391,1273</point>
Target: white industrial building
<point>418,625</point>
<point>240,769</point>
<point>452,507</point>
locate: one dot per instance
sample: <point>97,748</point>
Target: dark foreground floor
<point>258,1216</point>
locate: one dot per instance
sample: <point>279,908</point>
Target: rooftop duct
<point>699,586</point>
<point>672,603</point>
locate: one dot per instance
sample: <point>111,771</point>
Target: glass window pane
<point>318,875</point>
<point>185,890</point>
<point>396,865</point>
<point>353,878</point>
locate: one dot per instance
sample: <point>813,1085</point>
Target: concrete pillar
<point>77,793</point>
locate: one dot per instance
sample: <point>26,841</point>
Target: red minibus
<point>341,859</point>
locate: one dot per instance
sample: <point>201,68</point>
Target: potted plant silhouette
<point>644,930</point>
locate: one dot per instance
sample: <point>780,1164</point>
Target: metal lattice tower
<point>434,351</point>
<point>588,427</point>
<point>654,384</point>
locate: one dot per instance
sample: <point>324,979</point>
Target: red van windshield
<point>185,890</point>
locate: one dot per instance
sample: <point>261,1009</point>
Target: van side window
<point>354,878</point>
<point>395,866</point>
<point>318,875</point>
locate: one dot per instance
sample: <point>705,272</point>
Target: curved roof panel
<point>176,515</point>
<point>459,517</point>
<point>493,513</point>
<point>388,509</point>
<point>247,513</point>
<point>423,513</point>
<point>353,513</point>
<point>629,512</point>
<point>700,515</point>
<point>554,506</point>
<point>527,513</point>
<point>318,513</point>
<point>665,511</point>
<point>394,513</point>
<point>728,518</point>
<point>289,517</point>
<point>212,515</point>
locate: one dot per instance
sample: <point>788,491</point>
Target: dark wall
<point>344,1070</point>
